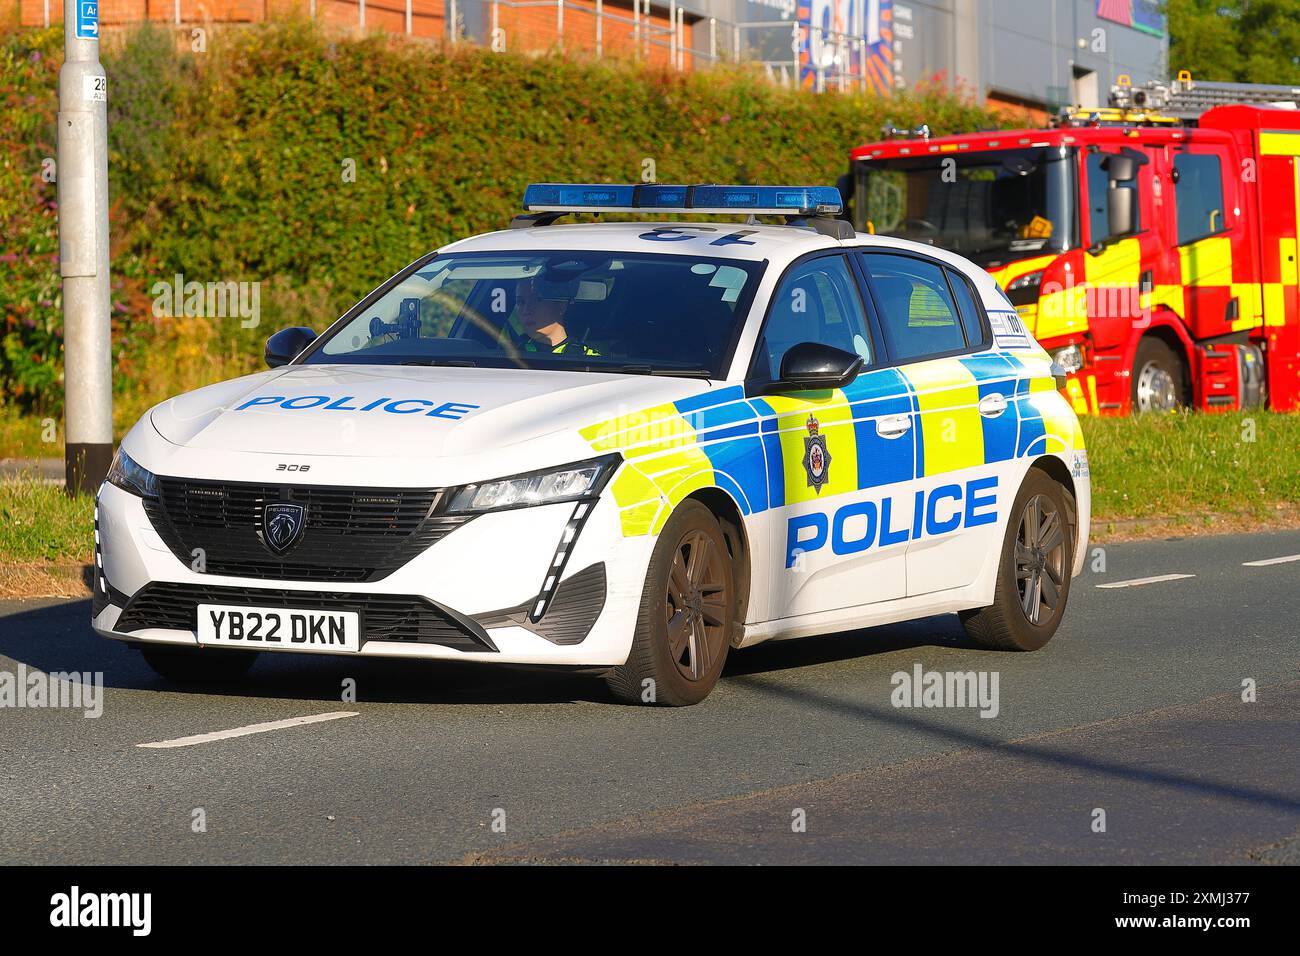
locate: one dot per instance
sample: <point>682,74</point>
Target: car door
<point>965,395</point>
<point>831,454</point>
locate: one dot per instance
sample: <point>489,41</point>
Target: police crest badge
<point>816,457</point>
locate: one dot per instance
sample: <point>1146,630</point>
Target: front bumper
<point>469,596</point>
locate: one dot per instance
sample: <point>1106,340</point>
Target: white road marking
<point>245,731</point>
<point>1138,582</point>
<point>1268,561</point>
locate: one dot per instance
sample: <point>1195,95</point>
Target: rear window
<point>919,315</point>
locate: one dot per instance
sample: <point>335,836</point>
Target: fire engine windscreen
<point>992,207</point>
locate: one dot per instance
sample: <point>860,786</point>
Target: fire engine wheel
<point>687,612</point>
<point>1159,378</point>
<point>1033,575</point>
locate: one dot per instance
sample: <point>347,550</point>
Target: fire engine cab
<point>1150,246</point>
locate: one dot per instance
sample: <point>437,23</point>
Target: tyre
<point>1159,378</point>
<point>687,613</point>
<point>194,665</point>
<point>1033,574</point>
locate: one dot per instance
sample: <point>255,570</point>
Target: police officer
<point>542,303</point>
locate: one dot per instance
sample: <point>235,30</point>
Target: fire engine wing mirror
<point>813,365</point>
<point>1119,211</point>
<point>1120,168</point>
<point>283,347</point>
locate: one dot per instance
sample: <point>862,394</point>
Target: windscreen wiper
<point>649,370</point>
<point>442,363</point>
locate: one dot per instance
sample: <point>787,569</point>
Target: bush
<point>230,166</point>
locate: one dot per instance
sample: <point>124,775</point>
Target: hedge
<point>230,165</point>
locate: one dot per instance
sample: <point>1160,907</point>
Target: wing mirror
<point>812,365</point>
<point>284,346</point>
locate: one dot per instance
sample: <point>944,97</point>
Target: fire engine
<point>1150,245</point>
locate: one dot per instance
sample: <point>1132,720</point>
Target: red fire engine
<point>1150,246</point>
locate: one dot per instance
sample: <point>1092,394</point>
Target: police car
<point>613,446</point>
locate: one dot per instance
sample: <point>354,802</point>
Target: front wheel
<point>684,627</point>
<point>1159,378</point>
<point>1033,574</point>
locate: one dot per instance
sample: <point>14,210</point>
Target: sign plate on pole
<point>87,19</point>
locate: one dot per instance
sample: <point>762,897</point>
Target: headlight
<point>1069,358</point>
<point>568,483</point>
<point>1024,291</point>
<point>129,476</point>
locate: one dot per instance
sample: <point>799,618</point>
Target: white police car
<point>626,447</point>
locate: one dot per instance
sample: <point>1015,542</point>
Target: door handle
<point>992,405</point>
<point>893,425</point>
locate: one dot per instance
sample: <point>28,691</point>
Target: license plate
<point>278,628</point>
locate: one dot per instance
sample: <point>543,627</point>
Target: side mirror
<point>1119,211</point>
<point>284,346</point>
<point>1119,167</point>
<point>812,365</point>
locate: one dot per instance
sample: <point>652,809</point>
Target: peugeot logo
<point>282,525</point>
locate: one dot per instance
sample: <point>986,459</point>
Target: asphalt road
<point>1135,709</point>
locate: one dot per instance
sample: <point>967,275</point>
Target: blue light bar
<point>730,200</point>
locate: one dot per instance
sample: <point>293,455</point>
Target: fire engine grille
<point>384,617</point>
<point>351,534</point>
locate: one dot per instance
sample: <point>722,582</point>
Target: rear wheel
<point>1033,575</point>
<point>194,665</point>
<point>1159,378</point>
<point>687,611</point>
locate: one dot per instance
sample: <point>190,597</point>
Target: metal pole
<point>495,16</point>
<point>312,9</point>
<point>178,12</point>
<point>672,33</point>
<point>600,21</point>
<point>82,184</point>
<point>361,14</point>
<point>681,38</point>
<point>408,17</point>
<point>636,25</point>
<point>451,24</point>
<point>559,23</point>
<point>735,44</point>
<point>47,13</point>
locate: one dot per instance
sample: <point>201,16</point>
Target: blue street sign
<point>87,19</point>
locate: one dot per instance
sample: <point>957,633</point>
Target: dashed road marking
<point>1267,561</point>
<point>245,731</point>
<point>1138,582</point>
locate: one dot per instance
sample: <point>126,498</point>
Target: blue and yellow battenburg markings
<point>754,448</point>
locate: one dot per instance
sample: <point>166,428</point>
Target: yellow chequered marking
<point>1118,264</point>
<point>951,429</point>
<point>1062,311</point>
<point>1168,295</point>
<point>834,421</point>
<point>664,464</point>
<point>1207,261</point>
<point>1278,143</point>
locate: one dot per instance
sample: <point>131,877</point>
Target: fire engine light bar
<point>717,200</point>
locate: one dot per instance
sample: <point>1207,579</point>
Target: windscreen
<point>992,207</point>
<point>643,313</point>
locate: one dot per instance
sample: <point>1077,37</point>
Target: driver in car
<point>542,304</point>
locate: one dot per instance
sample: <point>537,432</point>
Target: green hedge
<point>227,165</point>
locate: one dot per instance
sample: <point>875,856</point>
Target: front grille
<point>351,534</point>
<point>384,617</point>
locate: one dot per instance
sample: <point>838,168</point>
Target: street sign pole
<point>82,178</point>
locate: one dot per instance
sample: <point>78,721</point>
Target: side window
<point>917,310</point>
<point>817,301</point>
<point>967,307</point>
<point>1198,195</point>
<point>1099,199</point>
